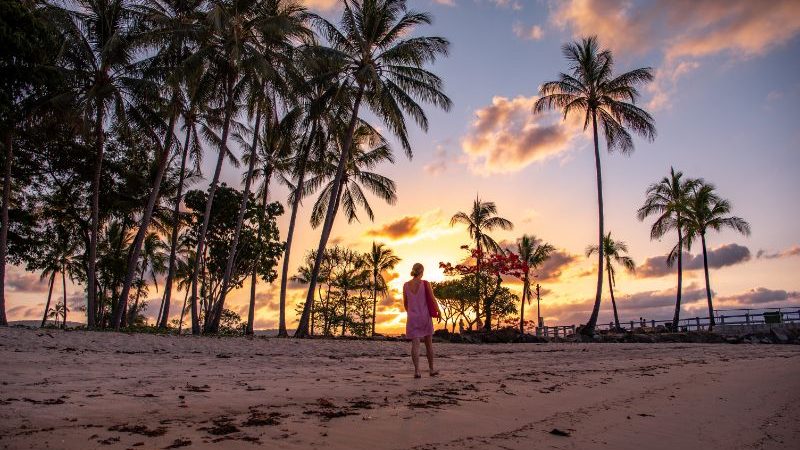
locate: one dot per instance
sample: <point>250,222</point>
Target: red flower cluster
<point>493,263</point>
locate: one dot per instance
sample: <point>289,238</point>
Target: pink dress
<point>419,323</point>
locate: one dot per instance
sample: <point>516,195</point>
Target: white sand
<point>78,390</point>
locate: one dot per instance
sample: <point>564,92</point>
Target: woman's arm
<point>405,300</point>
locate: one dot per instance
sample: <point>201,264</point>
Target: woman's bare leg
<point>415,355</point>
<point>429,351</point>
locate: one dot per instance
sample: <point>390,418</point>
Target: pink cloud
<point>506,136</point>
<point>682,30</point>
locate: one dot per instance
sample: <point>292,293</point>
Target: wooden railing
<point>721,317</point>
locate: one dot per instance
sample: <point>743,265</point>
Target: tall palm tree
<point>707,211</point>
<point>195,103</point>
<point>613,251</point>
<point>98,62</point>
<point>231,47</point>
<point>280,24</point>
<point>533,253</point>
<point>382,68</point>
<point>591,89</point>
<point>379,260</point>
<point>480,220</point>
<point>171,29</point>
<point>668,200</point>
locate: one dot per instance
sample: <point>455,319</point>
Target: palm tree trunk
<point>64,290</point>
<point>4,231</point>
<point>251,311</point>
<point>302,326</point>
<point>147,216</point>
<point>213,326</point>
<point>478,279</point>
<point>711,321</point>
<point>522,305</point>
<point>91,284</point>
<point>173,250</point>
<point>375,298</point>
<point>611,290</point>
<point>677,315</point>
<point>344,314</point>
<point>588,330</point>
<point>290,234</point>
<point>49,296</point>
<point>183,311</point>
<point>201,241</point>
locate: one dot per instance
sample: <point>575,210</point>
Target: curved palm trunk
<point>183,311</point>
<point>611,291</point>
<point>64,290</point>
<point>213,325</point>
<point>478,280</point>
<point>677,315</point>
<point>251,310</point>
<point>375,299</point>
<point>522,305</point>
<point>289,238</point>
<point>302,326</point>
<point>147,216</point>
<point>4,231</point>
<point>344,314</point>
<point>588,330</point>
<point>173,249</point>
<point>91,284</point>
<point>711,321</point>
<point>201,241</point>
<point>49,296</point>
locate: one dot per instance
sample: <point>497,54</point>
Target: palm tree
<point>593,91</point>
<point>279,24</point>
<point>382,67</point>
<point>707,211</point>
<point>668,200</point>
<point>533,253</point>
<point>380,259</point>
<point>231,47</point>
<point>195,104</point>
<point>480,220</point>
<point>171,29</point>
<point>312,141</point>
<point>154,258</point>
<point>97,61</point>
<point>370,149</point>
<point>613,250</point>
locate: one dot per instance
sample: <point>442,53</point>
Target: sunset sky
<point>726,100</point>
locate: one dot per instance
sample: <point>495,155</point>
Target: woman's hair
<point>416,270</point>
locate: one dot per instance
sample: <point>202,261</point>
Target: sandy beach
<point>78,390</point>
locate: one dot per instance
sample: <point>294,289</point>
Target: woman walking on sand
<point>421,306</point>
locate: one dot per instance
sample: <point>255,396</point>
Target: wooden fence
<point>721,317</point>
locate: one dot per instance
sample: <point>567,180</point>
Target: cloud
<point>400,228</point>
<point>439,163</point>
<point>555,265</point>
<point>726,255</point>
<point>26,312</point>
<point>19,281</point>
<point>506,136</point>
<point>791,251</point>
<point>682,30</point>
<point>446,2</point>
<point>533,33</point>
<point>759,296</point>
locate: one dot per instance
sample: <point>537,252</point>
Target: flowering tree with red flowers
<point>493,267</point>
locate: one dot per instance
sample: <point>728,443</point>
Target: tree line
<point>109,107</point>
